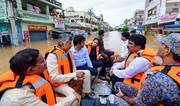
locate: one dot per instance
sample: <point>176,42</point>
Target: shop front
<point>5,34</point>
<point>36,33</point>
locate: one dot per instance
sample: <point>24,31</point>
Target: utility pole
<point>12,21</point>
<point>90,11</point>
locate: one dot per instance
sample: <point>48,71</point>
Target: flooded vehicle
<point>111,41</point>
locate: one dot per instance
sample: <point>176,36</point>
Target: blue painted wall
<point>19,31</point>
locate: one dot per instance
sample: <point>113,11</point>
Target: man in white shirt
<point>138,61</point>
<point>124,50</point>
<point>61,68</point>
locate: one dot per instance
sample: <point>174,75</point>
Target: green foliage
<point>99,27</point>
<point>125,28</point>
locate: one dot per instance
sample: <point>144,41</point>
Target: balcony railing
<point>31,16</point>
<point>36,17</point>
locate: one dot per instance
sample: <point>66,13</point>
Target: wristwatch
<point>123,96</point>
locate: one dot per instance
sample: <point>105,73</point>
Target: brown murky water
<point>111,39</point>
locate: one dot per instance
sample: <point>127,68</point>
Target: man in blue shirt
<point>81,56</point>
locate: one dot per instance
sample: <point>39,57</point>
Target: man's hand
<point>119,94</point>
<point>78,97</point>
<point>111,72</point>
<point>80,74</point>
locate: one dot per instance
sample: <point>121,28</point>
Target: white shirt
<point>138,65</point>
<point>52,67</point>
<point>124,49</point>
<point>25,96</point>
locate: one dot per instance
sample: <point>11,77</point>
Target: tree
<point>124,28</point>
<point>99,27</point>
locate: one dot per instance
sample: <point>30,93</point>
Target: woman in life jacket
<point>95,57</point>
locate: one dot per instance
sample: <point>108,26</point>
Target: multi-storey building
<point>86,21</point>
<point>159,14</point>
<point>136,21</point>
<point>5,26</point>
<point>34,19</point>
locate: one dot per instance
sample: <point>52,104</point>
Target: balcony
<point>30,16</point>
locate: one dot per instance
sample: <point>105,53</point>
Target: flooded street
<point>111,39</point>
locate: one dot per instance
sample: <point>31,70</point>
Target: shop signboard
<point>168,17</point>
<point>5,29</point>
<point>59,24</point>
<point>37,28</point>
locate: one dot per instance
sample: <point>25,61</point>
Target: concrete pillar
<point>47,10</point>
<point>19,4</point>
<point>13,25</point>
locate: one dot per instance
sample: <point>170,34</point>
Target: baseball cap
<point>172,41</point>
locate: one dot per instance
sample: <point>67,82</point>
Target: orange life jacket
<point>65,64</point>
<point>89,47</point>
<point>148,54</point>
<point>173,71</point>
<point>43,89</point>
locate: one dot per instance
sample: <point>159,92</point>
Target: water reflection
<point>111,39</point>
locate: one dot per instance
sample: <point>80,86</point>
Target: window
<point>175,9</point>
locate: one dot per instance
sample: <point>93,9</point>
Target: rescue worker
<point>162,83</point>
<point>23,85</point>
<point>61,68</point>
<point>139,60</point>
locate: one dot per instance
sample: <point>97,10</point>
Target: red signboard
<point>168,17</point>
<point>37,28</point>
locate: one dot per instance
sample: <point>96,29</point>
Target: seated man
<point>104,52</point>
<point>81,57</point>
<point>162,83</point>
<point>23,85</point>
<point>61,68</point>
<point>124,50</point>
<point>139,60</point>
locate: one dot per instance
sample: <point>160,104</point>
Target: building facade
<point>31,20</point>
<point>136,22</point>
<point>159,14</point>
<point>5,26</point>
<point>87,21</point>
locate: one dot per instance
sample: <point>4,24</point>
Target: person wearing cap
<point>160,84</point>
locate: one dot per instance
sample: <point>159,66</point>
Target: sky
<point>114,11</point>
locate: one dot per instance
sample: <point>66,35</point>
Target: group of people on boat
<point>57,78</point>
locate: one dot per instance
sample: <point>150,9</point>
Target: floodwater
<point>111,41</point>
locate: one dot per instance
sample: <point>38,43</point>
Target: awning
<point>173,25</point>
<point>172,29</point>
<point>59,31</point>
<point>62,31</point>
